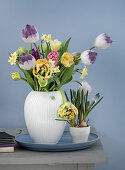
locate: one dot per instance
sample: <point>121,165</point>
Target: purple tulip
<point>30,34</point>
<point>102,41</point>
<point>27,61</point>
<point>35,54</point>
<point>88,57</point>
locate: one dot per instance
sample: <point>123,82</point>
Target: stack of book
<point>7,142</point>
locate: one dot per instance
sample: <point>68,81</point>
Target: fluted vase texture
<point>40,112</point>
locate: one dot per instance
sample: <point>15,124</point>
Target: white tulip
<point>102,41</point>
<point>88,57</point>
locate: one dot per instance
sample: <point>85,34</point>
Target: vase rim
<point>44,91</point>
<point>80,127</point>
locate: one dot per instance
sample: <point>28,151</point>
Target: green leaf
<point>96,104</point>
<point>66,96</point>
<point>67,75</point>
<point>29,79</point>
<point>71,95</point>
<point>48,50</point>
<point>64,47</point>
<point>42,83</point>
<point>56,78</point>
<point>67,44</point>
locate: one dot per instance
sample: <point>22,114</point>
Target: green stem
<point>23,79</point>
<point>78,72</point>
<point>36,82</point>
<point>62,72</point>
<point>63,97</point>
<point>92,48</point>
<point>37,49</point>
<point>31,48</point>
<point>77,82</point>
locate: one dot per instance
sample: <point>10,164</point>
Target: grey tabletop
<point>92,155</point>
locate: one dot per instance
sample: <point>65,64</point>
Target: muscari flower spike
<point>85,87</point>
<point>30,34</point>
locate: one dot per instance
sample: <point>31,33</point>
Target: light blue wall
<point>83,20</point>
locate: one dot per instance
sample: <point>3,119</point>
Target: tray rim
<point>93,140</point>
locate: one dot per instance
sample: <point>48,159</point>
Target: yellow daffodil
<point>56,69</point>
<point>84,72</point>
<point>46,37</point>
<point>11,61</point>
<point>49,37</point>
<point>14,55</point>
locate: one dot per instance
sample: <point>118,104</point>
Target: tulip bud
<point>16,76</point>
<point>102,41</point>
<point>55,45</point>
<point>21,50</point>
<point>27,61</point>
<point>30,34</point>
<point>88,57</point>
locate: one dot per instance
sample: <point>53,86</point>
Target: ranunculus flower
<point>55,45</point>
<point>67,111</point>
<point>53,55</point>
<point>35,54</point>
<point>67,59</point>
<point>27,61</point>
<point>30,34</point>
<point>88,57</point>
<point>16,76</point>
<point>86,87</point>
<point>102,41</point>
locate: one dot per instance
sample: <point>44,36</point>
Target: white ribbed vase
<point>40,112</point>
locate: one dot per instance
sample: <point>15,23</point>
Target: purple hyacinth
<point>35,54</point>
<point>88,57</point>
<point>102,41</point>
<point>30,34</point>
<point>27,61</point>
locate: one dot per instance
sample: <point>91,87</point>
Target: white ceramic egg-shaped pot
<point>79,134</point>
<point>40,112</point>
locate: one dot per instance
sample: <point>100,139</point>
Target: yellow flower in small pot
<point>67,111</point>
<point>16,76</point>
<point>67,59</point>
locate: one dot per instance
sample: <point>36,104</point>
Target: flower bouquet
<point>46,68</point>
